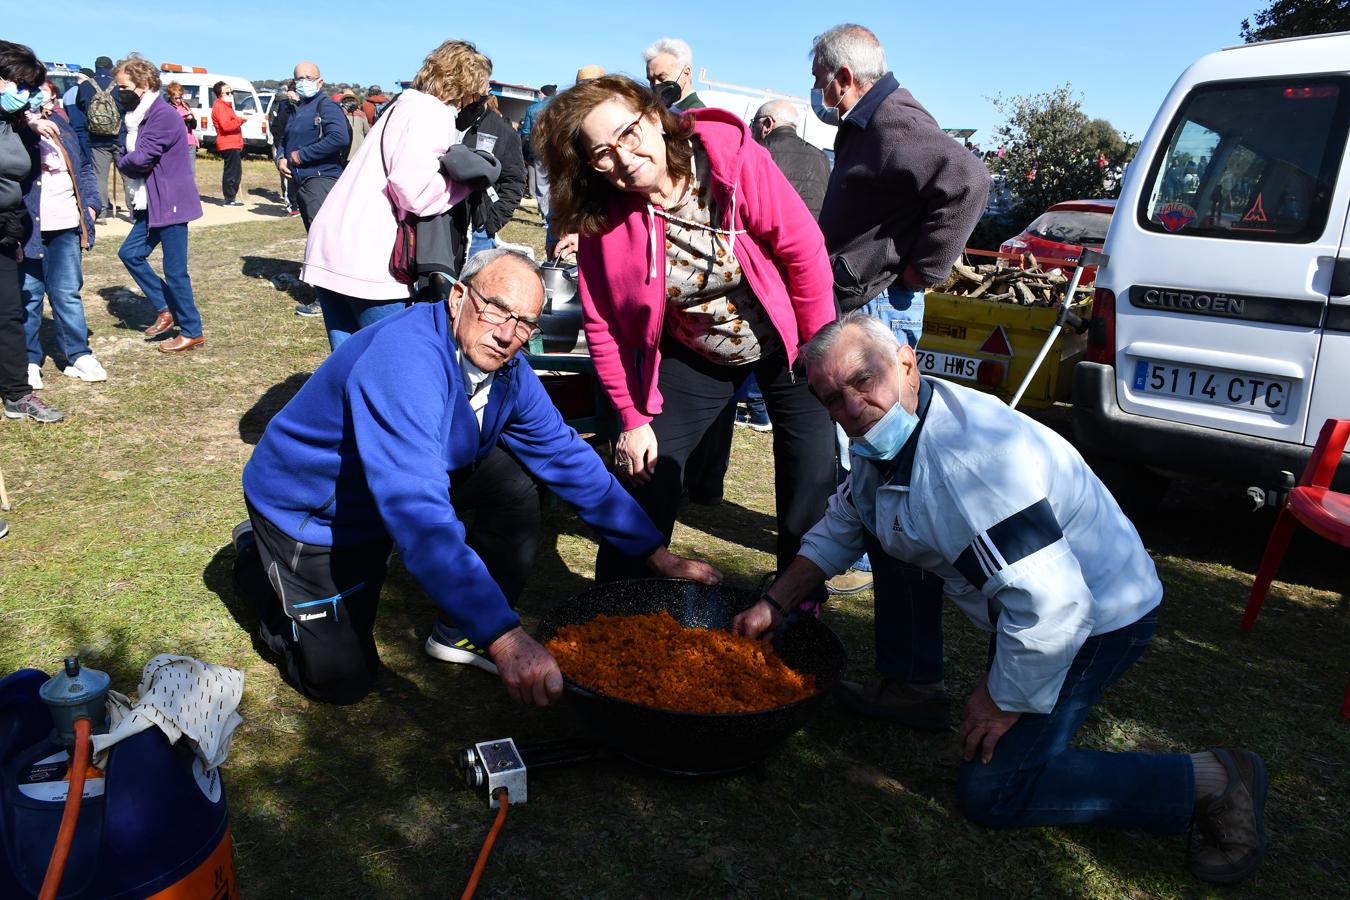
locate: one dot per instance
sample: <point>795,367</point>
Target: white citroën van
<point>199,97</point>
<point>1220,338</point>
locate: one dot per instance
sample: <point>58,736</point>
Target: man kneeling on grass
<point>1035,550</point>
<point>407,426</point>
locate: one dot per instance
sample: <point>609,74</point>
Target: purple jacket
<point>163,158</point>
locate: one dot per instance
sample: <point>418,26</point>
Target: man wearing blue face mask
<point>1035,551</point>
<point>314,145</point>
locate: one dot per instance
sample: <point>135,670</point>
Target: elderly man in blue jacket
<point>408,425</point>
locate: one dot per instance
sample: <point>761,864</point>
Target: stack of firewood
<point>1031,285</point>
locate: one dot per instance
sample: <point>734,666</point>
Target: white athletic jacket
<point>1030,543</point>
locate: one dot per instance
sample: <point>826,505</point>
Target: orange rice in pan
<point>656,661</point>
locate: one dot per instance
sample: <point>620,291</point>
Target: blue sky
<point>1121,58</point>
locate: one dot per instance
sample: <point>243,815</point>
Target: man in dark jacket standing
<point>902,200</point>
<point>490,209</point>
<point>311,150</point>
<point>805,165</point>
<point>97,103</point>
<point>283,105</point>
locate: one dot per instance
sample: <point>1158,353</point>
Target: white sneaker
<point>86,368</point>
<point>35,376</point>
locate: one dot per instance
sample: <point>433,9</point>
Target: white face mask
<point>307,87</point>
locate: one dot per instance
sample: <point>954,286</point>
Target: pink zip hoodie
<point>623,280</point>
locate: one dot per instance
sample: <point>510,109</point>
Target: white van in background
<point>199,97</point>
<point>1220,332</point>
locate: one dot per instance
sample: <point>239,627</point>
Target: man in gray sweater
<point>902,200</point>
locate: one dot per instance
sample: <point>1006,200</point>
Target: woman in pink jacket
<point>699,265</point>
<point>396,171</point>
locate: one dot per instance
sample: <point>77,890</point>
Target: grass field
<point>120,550</point>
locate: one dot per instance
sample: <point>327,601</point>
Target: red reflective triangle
<point>997,343</point>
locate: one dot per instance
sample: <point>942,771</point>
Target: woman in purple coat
<point>158,169</point>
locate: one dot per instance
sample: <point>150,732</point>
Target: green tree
<point>1050,151</point>
<point>1295,18</point>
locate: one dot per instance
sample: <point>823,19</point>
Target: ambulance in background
<point>63,76</point>
<point>199,97</point>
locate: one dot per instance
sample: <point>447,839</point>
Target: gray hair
<point>874,331</point>
<point>481,260</point>
<point>684,56</point>
<point>853,46</point>
<point>781,111</point>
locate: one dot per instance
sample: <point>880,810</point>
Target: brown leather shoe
<point>163,322</point>
<point>925,707</point>
<point>180,343</point>
<point>1232,828</point>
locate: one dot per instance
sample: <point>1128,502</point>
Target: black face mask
<point>127,99</point>
<point>471,115</point>
<point>668,92</point>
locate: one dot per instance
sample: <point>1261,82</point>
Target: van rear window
<point>1252,160</point>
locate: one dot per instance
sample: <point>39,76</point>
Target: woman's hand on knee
<point>635,455</point>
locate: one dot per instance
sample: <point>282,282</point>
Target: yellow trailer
<point>991,346</point>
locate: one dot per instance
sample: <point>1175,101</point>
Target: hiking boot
<point>309,310</point>
<point>449,644</point>
<point>31,407</point>
<point>1232,828</point>
<point>243,539</point>
<point>918,706</point>
<point>854,581</point>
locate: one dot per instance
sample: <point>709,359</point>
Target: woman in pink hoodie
<point>699,265</point>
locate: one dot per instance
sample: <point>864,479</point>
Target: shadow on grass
<point>132,311</point>
<point>253,422</point>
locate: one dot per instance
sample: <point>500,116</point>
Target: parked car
<point>199,97</point>
<point>1220,335</point>
<point>1061,233</point>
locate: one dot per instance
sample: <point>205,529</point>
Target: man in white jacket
<point>1034,550</point>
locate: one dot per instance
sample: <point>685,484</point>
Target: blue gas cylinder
<point>153,822</point>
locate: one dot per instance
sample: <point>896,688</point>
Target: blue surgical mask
<point>12,99</point>
<point>887,435</point>
<point>306,87</point>
<point>35,101</point>
<point>827,114</point>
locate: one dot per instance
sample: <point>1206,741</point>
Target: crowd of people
<point>711,252</point>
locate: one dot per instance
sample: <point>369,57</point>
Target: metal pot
<point>561,319</point>
<point>694,743</point>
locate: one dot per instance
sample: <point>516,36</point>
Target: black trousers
<point>310,194</point>
<point>234,170</point>
<point>696,394</point>
<point>318,604</point>
<point>13,352</point>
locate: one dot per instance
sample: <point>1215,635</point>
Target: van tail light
<point>1101,344</point>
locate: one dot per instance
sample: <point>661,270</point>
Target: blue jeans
<point>58,275</point>
<point>1036,778</point>
<point>174,291</point>
<point>480,240</point>
<point>343,316</point>
<point>902,311</point>
<point>754,400</point>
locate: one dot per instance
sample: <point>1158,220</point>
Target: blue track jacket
<point>365,451</point>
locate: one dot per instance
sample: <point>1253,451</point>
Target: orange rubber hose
<point>65,836</point>
<point>483,854</point>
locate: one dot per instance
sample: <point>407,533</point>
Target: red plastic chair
<point>1316,507</point>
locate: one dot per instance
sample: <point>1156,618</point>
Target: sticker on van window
<point>1175,216</point>
<point>1257,213</point>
